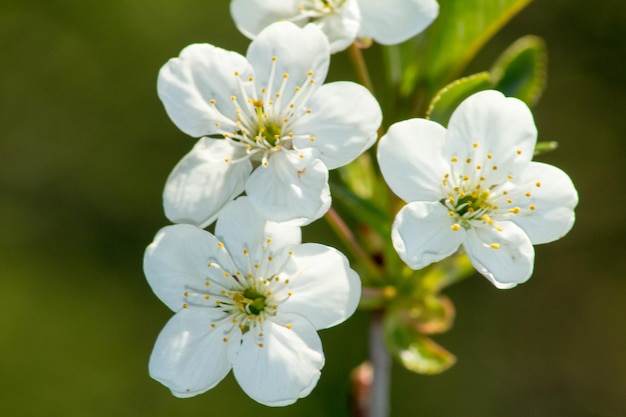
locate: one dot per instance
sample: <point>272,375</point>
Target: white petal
<point>507,266</point>
<point>189,356</point>
<point>411,160</point>
<point>290,188</point>
<point>422,234</point>
<point>492,130</point>
<point>554,202</point>
<point>252,16</point>
<point>298,51</point>
<point>324,289</point>
<point>203,182</point>
<point>186,86</point>
<point>239,227</point>
<point>286,368</point>
<point>177,259</point>
<point>344,119</point>
<point>393,21</point>
<point>341,28</point>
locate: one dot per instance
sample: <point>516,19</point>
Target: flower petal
<point>553,203</point>
<point>324,289</point>
<point>343,121</point>
<point>203,182</point>
<point>189,356</point>
<point>342,26</point>
<point>298,52</point>
<point>252,16</point>
<point>288,365</point>
<point>293,187</point>
<point>422,233</point>
<point>411,161</point>
<point>176,259</point>
<point>495,132</point>
<point>187,84</point>
<point>393,21</point>
<point>504,257</point>
<point>241,228</point>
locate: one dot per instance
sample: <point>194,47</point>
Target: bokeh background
<point>85,147</point>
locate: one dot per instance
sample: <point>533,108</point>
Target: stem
<point>360,67</point>
<point>381,364</point>
<point>346,236</point>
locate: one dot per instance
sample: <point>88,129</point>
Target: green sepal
<point>448,98</point>
<point>520,71</point>
<point>413,350</point>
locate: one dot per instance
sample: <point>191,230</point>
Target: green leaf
<point>441,53</point>
<point>521,70</point>
<point>416,352</point>
<point>449,97</point>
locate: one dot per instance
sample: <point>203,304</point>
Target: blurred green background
<point>85,147</point>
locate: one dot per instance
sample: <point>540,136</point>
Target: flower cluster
<point>250,297</point>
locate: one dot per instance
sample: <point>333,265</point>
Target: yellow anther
<point>273,59</point>
<point>455,227</point>
<point>510,177</point>
<point>538,184</point>
<point>514,210</point>
<point>465,177</point>
<point>213,325</point>
<point>499,228</point>
<point>509,201</point>
<point>233,98</point>
<point>489,156</point>
<point>310,73</point>
<point>207,283</point>
<point>285,75</point>
<point>519,151</point>
<point>269,258</point>
<point>301,156</point>
<point>478,166</point>
<point>212,101</point>
<point>495,246</point>
<point>312,138</point>
<point>220,245</point>
<point>186,294</point>
<point>250,78</point>
<point>451,213</point>
<point>289,326</point>
<point>206,297</point>
<point>468,160</point>
<point>527,194</point>
<point>225,339</point>
<point>532,207</point>
<point>236,73</point>
<point>475,145</point>
<point>495,167</point>
<point>454,159</point>
<point>185,306</point>
<point>260,345</point>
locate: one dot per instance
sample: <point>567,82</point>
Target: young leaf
<point>449,97</point>
<point>521,70</point>
<point>440,53</point>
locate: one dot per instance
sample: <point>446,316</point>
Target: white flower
<point>387,22</point>
<point>249,298</point>
<point>474,185</point>
<point>270,127</point>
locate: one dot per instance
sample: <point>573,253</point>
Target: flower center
<point>253,301</point>
<point>260,119</point>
